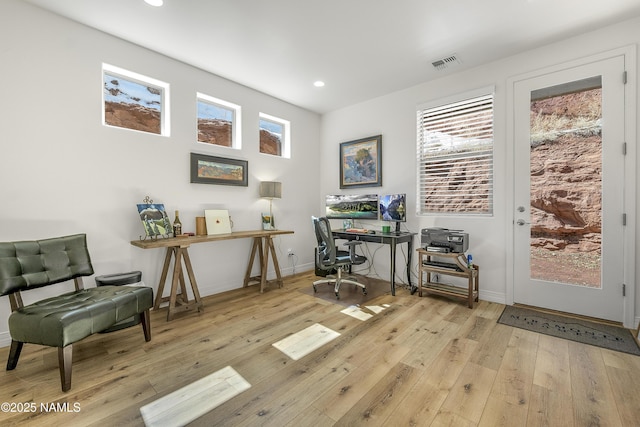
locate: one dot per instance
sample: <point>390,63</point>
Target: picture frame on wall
<point>361,163</point>
<point>219,170</point>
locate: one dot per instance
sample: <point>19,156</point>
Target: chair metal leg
<point>65,357</point>
<point>330,278</point>
<point>353,282</point>
<point>337,281</point>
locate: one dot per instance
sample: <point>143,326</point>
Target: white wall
<point>63,172</point>
<point>394,116</point>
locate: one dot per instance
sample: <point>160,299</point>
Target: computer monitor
<point>393,207</point>
<point>351,206</point>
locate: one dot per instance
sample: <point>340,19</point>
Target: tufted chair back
<point>33,264</point>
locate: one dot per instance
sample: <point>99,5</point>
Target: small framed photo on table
<point>218,221</point>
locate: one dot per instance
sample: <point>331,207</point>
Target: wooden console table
<point>455,265</point>
<point>177,248</point>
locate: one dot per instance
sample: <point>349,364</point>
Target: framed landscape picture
<point>219,170</point>
<point>361,163</point>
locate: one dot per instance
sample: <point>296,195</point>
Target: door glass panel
<point>566,183</point>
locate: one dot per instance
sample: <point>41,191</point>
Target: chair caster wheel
<point>337,295</point>
<point>364,291</point>
<point>315,290</point>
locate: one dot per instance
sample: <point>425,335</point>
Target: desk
<point>392,239</point>
<point>177,248</point>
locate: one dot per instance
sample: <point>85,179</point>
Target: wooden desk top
<point>189,240</point>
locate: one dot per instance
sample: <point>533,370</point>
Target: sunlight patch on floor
<point>360,314</point>
<point>194,400</point>
<point>307,340</point>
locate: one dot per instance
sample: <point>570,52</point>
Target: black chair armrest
<point>352,249</point>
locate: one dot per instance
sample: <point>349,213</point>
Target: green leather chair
<point>65,319</point>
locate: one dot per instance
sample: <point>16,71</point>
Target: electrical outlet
<point>290,252</point>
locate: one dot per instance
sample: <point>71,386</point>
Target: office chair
<point>329,258</point>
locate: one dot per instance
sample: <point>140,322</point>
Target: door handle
<point>522,222</point>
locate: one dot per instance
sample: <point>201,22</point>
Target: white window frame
<point>429,153</point>
<point>236,121</point>
<point>163,87</point>
<point>285,140</point>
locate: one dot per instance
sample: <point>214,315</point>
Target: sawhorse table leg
<point>178,302</point>
<point>263,250</point>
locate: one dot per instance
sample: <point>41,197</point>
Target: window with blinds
<point>455,157</point>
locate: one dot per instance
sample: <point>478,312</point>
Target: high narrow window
<point>219,122</point>
<point>455,156</point>
<point>274,136</point>
<point>133,101</point>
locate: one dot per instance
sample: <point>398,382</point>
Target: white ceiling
<point>362,49</point>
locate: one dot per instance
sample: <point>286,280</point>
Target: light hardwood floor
<point>426,361</point>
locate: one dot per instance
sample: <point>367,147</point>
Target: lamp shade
<point>271,190</point>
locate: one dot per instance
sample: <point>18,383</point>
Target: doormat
<point>583,331</point>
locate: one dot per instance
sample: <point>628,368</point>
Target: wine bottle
<point>177,225</point>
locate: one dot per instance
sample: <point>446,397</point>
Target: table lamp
<point>271,190</point>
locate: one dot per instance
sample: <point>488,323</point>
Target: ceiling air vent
<point>444,63</point>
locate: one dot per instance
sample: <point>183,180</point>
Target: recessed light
<point>156,3</point>
<point>318,83</point>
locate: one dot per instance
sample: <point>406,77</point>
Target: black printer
<point>444,240</point>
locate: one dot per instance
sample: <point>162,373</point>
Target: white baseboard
<point>497,297</point>
<point>5,339</point>
<point>290,270</point>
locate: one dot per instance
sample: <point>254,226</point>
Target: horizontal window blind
<point>455,157</point>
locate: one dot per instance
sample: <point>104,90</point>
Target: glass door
<point>569,166</point>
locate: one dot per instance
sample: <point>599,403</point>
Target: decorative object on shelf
<point>218,170</point>
<point>201,226</point>
<point>217,221</point>
<point>154,219</point>
<point>270,190</point>
<point>361,163</point>
<point>268,222</point>
<point>177,225</point>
